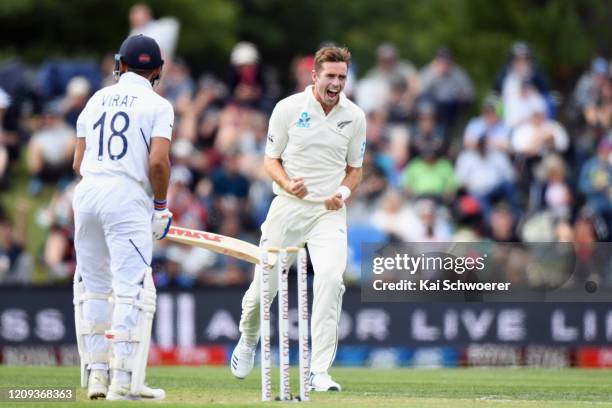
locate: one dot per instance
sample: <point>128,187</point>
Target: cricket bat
<point>216,243</point>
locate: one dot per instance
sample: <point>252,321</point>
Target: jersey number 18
<point>116,132</point>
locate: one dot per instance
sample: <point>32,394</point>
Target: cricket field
<point>362,387</point>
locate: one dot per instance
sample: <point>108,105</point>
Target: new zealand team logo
<point>304,121</point>
<point>343,123</point>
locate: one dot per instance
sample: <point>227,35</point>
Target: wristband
<point>159,205</point>
<point>344,191</point>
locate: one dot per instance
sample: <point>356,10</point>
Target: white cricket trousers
<point>294,222</point>
<point>114,244</point>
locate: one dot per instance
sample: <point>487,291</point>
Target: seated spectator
<point>487,174</point>
<point>59,256</point>
<point>16,264</point>
<point>394,217</point>
<point>520,103</point>
<point>448,86</point>
<point>50,150</point>
<point>374,182</point>
<point>186,208</point>
<point>520,71</point>
<point>247,82</point>
<point>427,134</point>
<point>539,135</point>
<point>227,180</point>
<point>592,259</point>
<point>467,214</point>
<point>15,81</point>
<point>429,175</point>
<point>557,196</point>
<point>178,266</point>
<point>77,94</point>
<point>496,133</point>
<point>177,85</point>
<point>588,88</point>
<point>503,224</point>
<point>596,181</point>
<point>396,79</point>
<point>598,111</point>
<point>430,225</point>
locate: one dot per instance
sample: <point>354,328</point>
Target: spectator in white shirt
<point>539,135</point>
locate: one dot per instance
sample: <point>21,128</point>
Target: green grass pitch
<point>363,387</point>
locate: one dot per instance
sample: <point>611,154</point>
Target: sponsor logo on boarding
<point>343,123</point>
<point>304,121</point>
<point>194,234</point>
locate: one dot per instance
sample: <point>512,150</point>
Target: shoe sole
<point>97,395</point>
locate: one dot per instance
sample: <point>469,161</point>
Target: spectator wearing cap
<point>521,84</point>
<point>520,66</point>
<point>587,89</point>
<point>489,124</point>
<point>247,83</point>
<point>596,181</point>
<point>447,85</point>
<point>49,155</point>
<point>488,175</point>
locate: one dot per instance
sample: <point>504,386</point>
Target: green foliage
<point>564,34</point>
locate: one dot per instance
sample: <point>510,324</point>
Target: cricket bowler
<point>315,147</point>
<point>122,155</point>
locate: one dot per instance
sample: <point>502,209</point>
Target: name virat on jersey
<point>118,101</point>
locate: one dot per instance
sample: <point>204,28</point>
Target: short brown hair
<point>331,54</point>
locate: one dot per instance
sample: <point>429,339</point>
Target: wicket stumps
<point>277,259</point>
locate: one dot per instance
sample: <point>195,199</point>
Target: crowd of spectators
<point>524,169</point>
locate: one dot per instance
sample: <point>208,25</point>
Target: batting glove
<point>162,218</point>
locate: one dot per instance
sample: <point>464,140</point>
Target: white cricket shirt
<point>313,145</point>
<point>118,123</point>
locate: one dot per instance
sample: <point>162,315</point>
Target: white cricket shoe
<point>118,392</point>
<point>97,385</point>
<point>243,358</point>
<point>323,382</point>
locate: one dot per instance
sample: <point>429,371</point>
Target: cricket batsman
<point>315,147</point>
<point>122,155</point>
